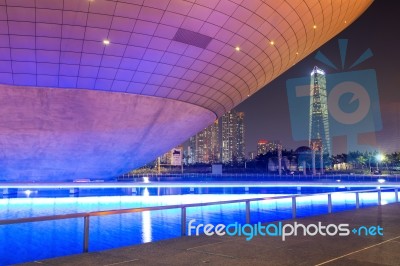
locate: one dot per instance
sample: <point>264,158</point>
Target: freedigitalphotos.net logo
<point>352,99</point>
<point>281,230</point>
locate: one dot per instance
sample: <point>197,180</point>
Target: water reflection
<point>161,191</point>
<point>146,227</point>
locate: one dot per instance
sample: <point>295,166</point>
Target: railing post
<point>329,203</point>
<point>86,234</point>
<point>183,221</point>
<point>396,195</point>
<point>294,207</point>
<point>379,197</point>
<point>357,200</point>
<point>247,212</point>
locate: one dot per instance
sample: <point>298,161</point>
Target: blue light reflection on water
<point>313,205</point>
<point>34,241</point>
<point>271,210</point>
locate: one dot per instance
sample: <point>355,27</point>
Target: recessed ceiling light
<point>315,26</point>
<point>297,53</point>
<point>106,42</point>
<point>237,48</point>
<point>345,21</point>
<point>272,42</point>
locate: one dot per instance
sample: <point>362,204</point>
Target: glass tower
<point>319,138</point>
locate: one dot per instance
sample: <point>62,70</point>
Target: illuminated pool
<point>39,240</point>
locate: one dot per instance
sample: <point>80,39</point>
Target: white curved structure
<point>91,89</point>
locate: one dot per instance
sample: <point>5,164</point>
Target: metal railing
<point>86,216</point>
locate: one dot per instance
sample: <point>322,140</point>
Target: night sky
<point>267,111</point>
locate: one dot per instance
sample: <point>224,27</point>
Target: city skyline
<point>268,112</point>
<point>223,141</point>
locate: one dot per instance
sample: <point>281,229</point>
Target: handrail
<point>132,210</point>
<point>165,207</point>
<point>183,208</point>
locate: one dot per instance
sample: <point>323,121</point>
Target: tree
<point>362,160</point>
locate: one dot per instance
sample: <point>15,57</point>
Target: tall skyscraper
<point>319,138</point>
<point>204,146</point>
<point>233,146</point>
<point>241,147</point>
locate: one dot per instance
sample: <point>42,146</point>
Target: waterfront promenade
<point>299,250</point>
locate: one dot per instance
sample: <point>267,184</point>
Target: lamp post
<point>379,158</point>
<point>369,162</point>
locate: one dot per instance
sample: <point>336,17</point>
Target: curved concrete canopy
<point>205,55</point>
<point>50,134</point>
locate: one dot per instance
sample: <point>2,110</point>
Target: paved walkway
<point>299,250</point>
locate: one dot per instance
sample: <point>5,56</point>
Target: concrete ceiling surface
<point>95,88</point>
<point>175,49</point>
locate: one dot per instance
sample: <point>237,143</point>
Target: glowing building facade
<point>204,146</point>
<point>233,132</point>
<point>262,146</point>
<point>319,139</point>
<point>273,145</point>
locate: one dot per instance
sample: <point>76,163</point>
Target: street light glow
<point>380,157</point>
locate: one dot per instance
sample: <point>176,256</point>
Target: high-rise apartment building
<point>262,146</point>
<point>265,146</point>
<point>221,141</point>
<point>204,146</point>
<point>233,146</point>
<point>172,157</point>
<point>273,145</point>
<point>319,138</point>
